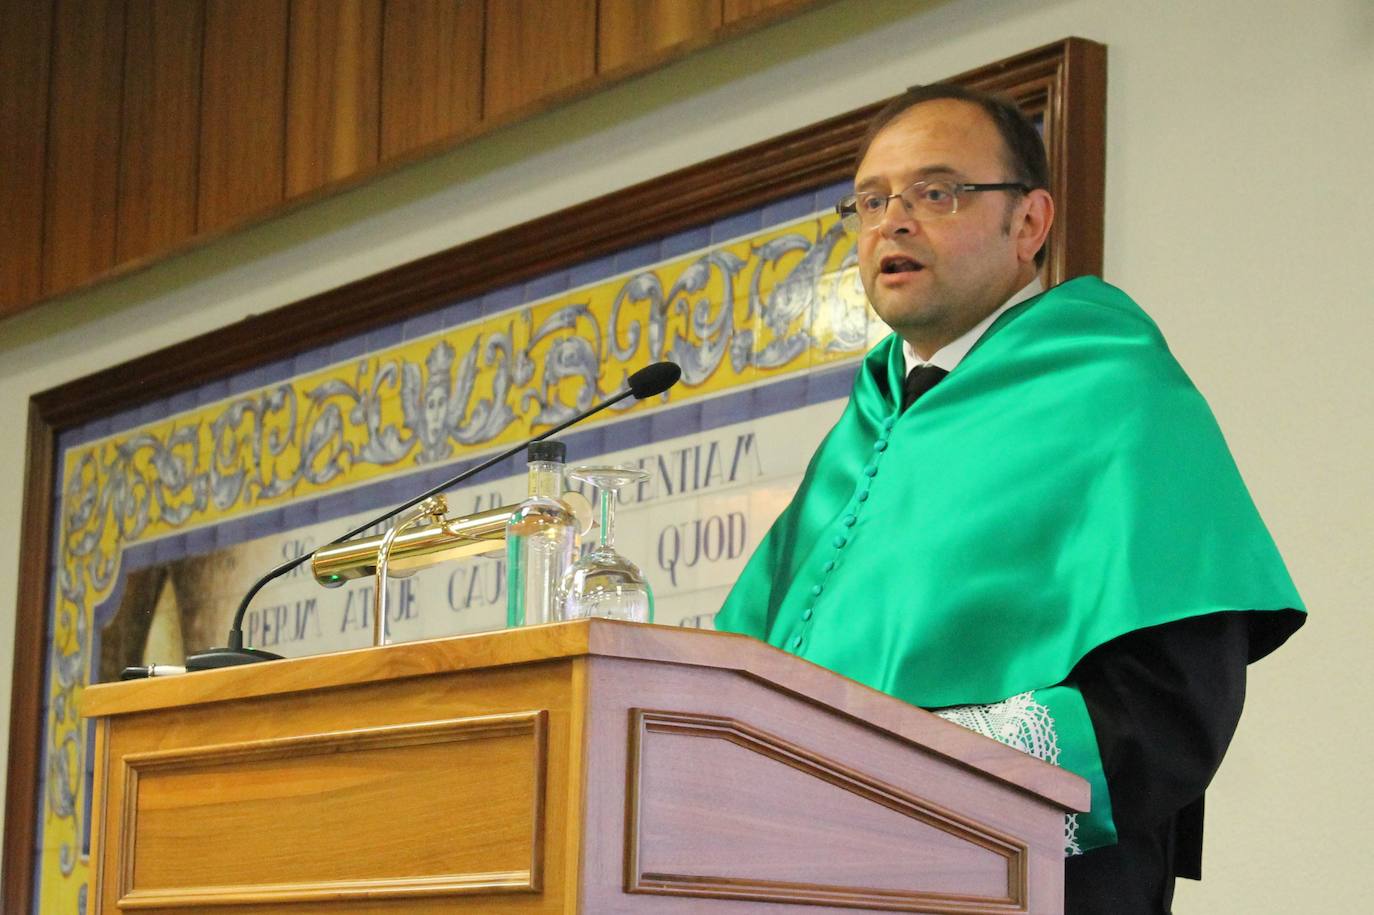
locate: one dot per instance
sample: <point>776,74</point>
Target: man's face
<point>932,281</point>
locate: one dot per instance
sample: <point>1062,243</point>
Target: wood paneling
<point>431,72</point>
<point>333,88</point>
<point>680,845</point>
<point>737,10</point>
<point>83,118</point>
<point>161,121</point>
<point>536,49</point>
<point>25,45</point>
<point>358,792</point>
<point>242,110</point>
<point>630,30</point>
<point>1080,160</point>
<point>25,747</point>
<point>390,777</point>
<point>161,126</point>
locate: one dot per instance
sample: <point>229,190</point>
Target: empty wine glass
<point>604,583</point>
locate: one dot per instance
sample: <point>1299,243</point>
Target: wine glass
<point>604,583</point>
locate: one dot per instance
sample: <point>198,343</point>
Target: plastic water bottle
<point>541,539</point>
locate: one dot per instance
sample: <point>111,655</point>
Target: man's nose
<point>897,219</point>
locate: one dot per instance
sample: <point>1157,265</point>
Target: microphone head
<point>654,379</point>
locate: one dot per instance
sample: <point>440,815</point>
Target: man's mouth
<point>896,263</point>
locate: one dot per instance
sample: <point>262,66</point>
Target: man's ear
<point>1034,225</point>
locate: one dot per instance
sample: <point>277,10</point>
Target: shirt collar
<point>952,353</point>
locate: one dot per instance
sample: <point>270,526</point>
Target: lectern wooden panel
<point>594,767</point>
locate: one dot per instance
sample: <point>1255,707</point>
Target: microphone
<point>647,382</point>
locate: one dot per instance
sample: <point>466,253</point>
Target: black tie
<point>918,381</point>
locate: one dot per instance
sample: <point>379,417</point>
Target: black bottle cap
<point>549,450</point>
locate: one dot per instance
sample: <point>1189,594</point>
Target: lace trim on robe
<point>1023,724</point>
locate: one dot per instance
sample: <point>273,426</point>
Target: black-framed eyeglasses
<point>923,200</point>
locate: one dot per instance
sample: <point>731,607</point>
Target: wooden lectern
<point>595,767</point>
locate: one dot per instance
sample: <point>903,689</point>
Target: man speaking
<point>1026,518</point>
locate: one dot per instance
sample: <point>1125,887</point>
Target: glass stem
<point>607,516</point>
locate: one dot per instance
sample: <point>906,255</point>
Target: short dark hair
<point>1023,149</point>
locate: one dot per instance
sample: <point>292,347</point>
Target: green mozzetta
<point>1064,485</point>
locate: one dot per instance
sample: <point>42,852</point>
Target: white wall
<point>1238,199</point>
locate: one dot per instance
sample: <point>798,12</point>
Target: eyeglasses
<point>923,200</point>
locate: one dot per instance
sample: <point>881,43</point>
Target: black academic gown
<point>1164,702</point>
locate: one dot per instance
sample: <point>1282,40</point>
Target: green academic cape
<point>1064,485</point>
